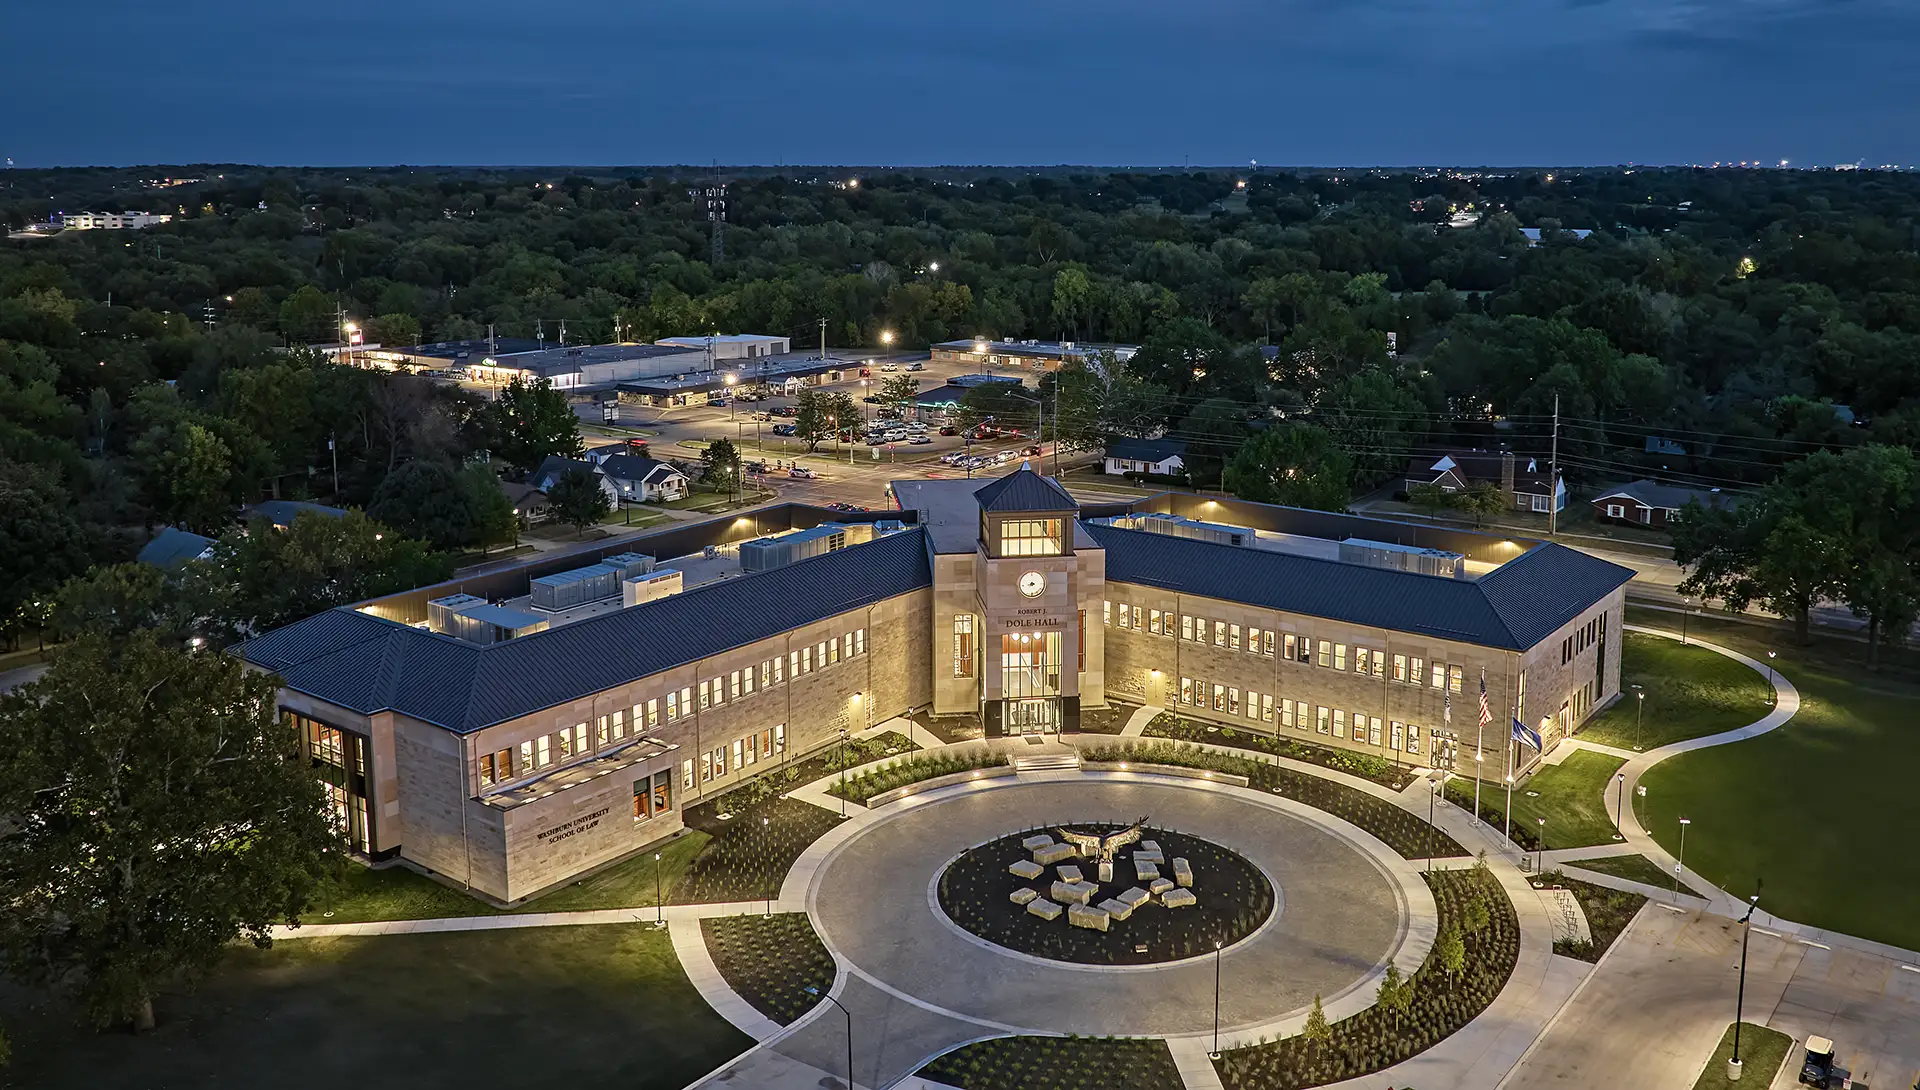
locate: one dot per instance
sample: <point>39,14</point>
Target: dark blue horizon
<point>991,82</point>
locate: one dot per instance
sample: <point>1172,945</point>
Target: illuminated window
<point>1029,664</point>
<point>1030,537</point>
<point>963,645</point>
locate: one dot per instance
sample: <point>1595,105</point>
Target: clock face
<point>1033,584</point>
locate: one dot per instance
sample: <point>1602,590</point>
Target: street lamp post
<point>1619,802</point>
<point>1772,693</point>
<point>1540,848</point>
<point>1680,862</point>
<point>843,772</point>
<point>730,380</point>
<point>1433,792</point>
<point>1215,1054</point>
<point>1639,715</point>
<point>659,917</point>
<point>815,992</point>
<point>1686,607</point>
<point>1740,996</point>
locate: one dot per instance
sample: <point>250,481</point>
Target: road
<point>1656,1007</point>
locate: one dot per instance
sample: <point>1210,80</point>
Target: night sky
<point>1328,82</point>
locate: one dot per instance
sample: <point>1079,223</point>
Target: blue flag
<point>1526,734</point>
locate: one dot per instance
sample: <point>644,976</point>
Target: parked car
<point>784,410</point>
<point>785,429</point>
<point>889,367</point>
<point>920,439</point>
<point>874,399</point>
<point>949,429</point>
<point>887,412</point>
<point>755,466</point>
<point>1033,450</point>
<point>762,414</point>
<point>800,473</point>
<point>866,372</point>
<point>716,401</point>
<point>916,366</point>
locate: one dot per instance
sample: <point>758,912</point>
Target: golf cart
<point>1817,1066</point>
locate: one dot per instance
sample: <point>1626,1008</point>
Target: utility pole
<point>563,332</point>
<point>207,315</point>
<point>493,343</point>
<point>823,338</point>
<point>1553,474</point>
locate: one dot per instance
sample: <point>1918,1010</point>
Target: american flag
<point>1486,713</point>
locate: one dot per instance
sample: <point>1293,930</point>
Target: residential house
<point>637,479</point>
<point>1162,457</point>
<point>556,467</point>
<point>282,512</point>
<point>172,547</point>
<point>1647,503</point>
<point>1528,483</point>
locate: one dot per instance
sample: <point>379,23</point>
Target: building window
<point>496,767</point>
<point>543,751</point>
<point>1106,612</point>
<point>1219,697</point>
<point>1029,664</point>
<point>686,774</point>
<point>1417,671</point>
<point>1339,723</point>
<point>673,707</point>
<point>1373,730</point>
<point>1398,740</point>
<point>1615,511</point>
<point>1233,636</point>
<point>1455,677</point>
<point>1413,738</point>
<point>1266,707</point>
<point>859,641</point>
<point>1153,622</point>
<point>1186,690</point>
<point>963,645</point>
<point>1323,719</point>
<point>1080,641</point>
<point>1030,537</point>
<point>1339,656</point>
<point>739,754</point>
<point>779,737</point>
<point>1233,701</point>
<point>1326,654</point>
<point>1219,633</point>
<point>1286,713</point>
<point>1439,675</point>
<point>1186,627</point>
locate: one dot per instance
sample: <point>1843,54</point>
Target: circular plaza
<point>1317,907</point>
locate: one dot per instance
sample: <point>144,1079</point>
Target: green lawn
<point>1821,809</point>
<point>558,1006</point>
<point>1570,798</point>
<point>1762,1051</point>
<point>1634,868</point>
<point>396,893</point>
<point>1690,692</point>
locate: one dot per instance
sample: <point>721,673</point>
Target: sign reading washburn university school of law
<point>573,827</point>
<point>1031,619</point>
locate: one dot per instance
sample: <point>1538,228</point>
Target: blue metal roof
<point>1513,607</point>
<point>1025,490</point>
<point>173,547</point>
<point>368,664</point>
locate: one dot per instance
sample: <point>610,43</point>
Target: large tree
<point>156,811</point>
<point>42,541</point>
<point>533,421</point>
<point>722,461</point>
<point>446,507</point>
<point>823,414</point>
<point>1777,550</point>
<point>1297,465</point>
<point>260,577</point>
<point>578,499</point>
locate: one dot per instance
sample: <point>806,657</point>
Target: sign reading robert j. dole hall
<point>1032,619</point>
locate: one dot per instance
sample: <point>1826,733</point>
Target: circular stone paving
<point>1340,910</point>
<point>1169,897</point>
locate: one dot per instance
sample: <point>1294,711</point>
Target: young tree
<point>578,500</point>
<point>118,600</point>
<point>1450,951</point>
<point>1430,498</point>
<point>1477,916</point>
<point>822,414</point>
<point>260,577</point>
<point>156,813</point>
<point>1297,465</point>
<point>1317,1032</point>
<point>1396,993</point>
<point>532,421</point>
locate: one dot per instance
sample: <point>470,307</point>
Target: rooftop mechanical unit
<point>582,586</point>
<point>658,583</point>
<point>473,620</point>
<point>1386,554</point>
<point>1177,526</point>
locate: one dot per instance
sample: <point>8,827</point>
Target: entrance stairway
<point>1047,762</point>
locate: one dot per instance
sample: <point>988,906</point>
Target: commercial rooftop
<point>1037,349</point>
<point>369,664</point>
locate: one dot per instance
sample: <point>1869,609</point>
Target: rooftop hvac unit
<point>1387,554</point>
<point>487,624</point>
<point>659,583</point>
<point>441,611</point>
<point>1193,530</point>
<point>767,553</point>
<point>630,564</point>
<point>581,586</point>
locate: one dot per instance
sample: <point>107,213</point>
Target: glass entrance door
<point>1032,717</point>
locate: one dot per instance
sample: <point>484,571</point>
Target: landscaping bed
<point>1762,1051</point>
<point>911,770</point>
<point>1109,720</point>
<point>1233,899</point>
<point>770,961</point>
<point>1398,828</point>
<point>1058,1063</point>
<point>1437,1003</point>
<point>747,859</point>
<point>1690,692</point>
<point>1388,774</point>
<point>1609,911</point>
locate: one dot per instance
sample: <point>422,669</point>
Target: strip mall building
<point>526,746</point>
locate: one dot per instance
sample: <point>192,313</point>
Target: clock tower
<point>1035,576</point>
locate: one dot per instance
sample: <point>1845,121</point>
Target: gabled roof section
<point>1513,608</point>
<point>554,466</point>
<point>633,467</point>
<point>1146,450</point>
<point>369,665</point>
<point>1025,490</point>
<point>173,547</point>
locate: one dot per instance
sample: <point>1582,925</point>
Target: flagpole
<point>1480,746</point>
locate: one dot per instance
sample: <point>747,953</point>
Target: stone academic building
<point>516,730</point>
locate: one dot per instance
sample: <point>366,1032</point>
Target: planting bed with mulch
<point>1233,896</point>
<point>749,857</point>
<point>1436,1002</point>
<point>910,770</point>
<point>1400,829</point>
<point>1609,911</point>
<point>770,961</point>
<point>1058,1063</point>
<point>1388,774</point>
